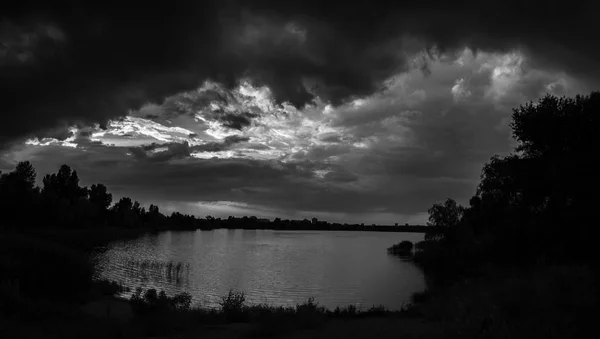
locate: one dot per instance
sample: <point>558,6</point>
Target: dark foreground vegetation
<point>518,262</point>
<point>403,248</point>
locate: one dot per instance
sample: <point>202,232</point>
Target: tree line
<point>62,203</point>
<point>535,205</point>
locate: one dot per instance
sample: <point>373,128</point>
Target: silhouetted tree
<point>18,195</point>
<point>540,200</point>
<point>63,185</point>
<point>65,202</point>
<point>99,196</point>
<point>123,205</point>
<point>442,217</point>
<point>124,213</point>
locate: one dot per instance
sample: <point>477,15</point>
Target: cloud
<point>330,137</point>
<point>459,90</point>
<point>168,152</point>
<point>62,69</point>
<point>236,121</point>
<point>220,146</point>
<point>390,154</point>
<point>161,152</point>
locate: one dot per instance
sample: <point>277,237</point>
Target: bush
<point>310,314</point>
<point>233,305</point>
<point>152,302</point>
<point>349,310</point>
<point>404,248</point>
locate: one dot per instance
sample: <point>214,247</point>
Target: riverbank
<point>190,325</point>
<point>82,239</point>
<point>475,298</point>
<point>236,319</point>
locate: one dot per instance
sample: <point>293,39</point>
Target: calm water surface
<point>337,268</point>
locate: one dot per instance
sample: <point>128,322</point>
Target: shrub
<point>233,305</point>
<point>404,248</point>
<point>310,314</point>
<point>181,301</point>
<point>349,310</point>
<point>151,301</point>
<point>309,306</point>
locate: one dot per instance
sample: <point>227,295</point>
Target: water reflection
<point>276,267</point>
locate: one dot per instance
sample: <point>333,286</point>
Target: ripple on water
<point>277,268</point>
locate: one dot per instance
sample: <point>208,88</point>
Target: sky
<point>367,113</point>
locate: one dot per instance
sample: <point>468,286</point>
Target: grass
<point>548,302</point>
<point>163,315</point>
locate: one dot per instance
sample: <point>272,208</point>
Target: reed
<point>161,270</point>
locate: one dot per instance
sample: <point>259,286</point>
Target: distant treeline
<point>279,224</point>
<point>62,203</point>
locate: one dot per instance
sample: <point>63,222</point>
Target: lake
<point>337,268</point>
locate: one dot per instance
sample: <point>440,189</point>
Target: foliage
<point>403,248</point>
<point>61,203</point>
<point>18,194</point>
<point>233,305</point>
<point>150,301</point>
<point>100,197</point>
<point>442,217</point>
<point>531,206</point>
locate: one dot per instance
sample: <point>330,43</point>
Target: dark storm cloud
<point>192,102</point>
<point>57,133</point>
<point>173,151</point>
<point>330,137</point>
<point>341,176</point>
<point>192,180</point>
<point>282,186</point>
<point>62,63</point>
<point>235,120</point>
<point>220,146</point>
<point>177,150</point>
